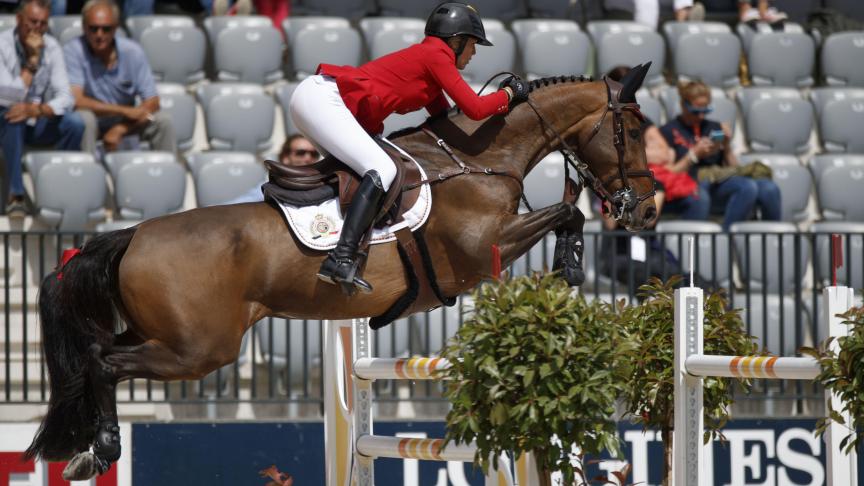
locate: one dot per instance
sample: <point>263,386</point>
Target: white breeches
<point>320,114</point>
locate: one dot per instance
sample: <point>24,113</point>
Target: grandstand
<point>794,97</point>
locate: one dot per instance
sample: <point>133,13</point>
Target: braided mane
<point>541,82</point>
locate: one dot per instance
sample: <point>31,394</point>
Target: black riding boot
<point>341,263</point>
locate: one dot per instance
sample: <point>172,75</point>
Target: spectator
<point>762,12</point>
<point>35,102</point>
<point>701,147</point>
<point>297,150</point>
<point>107,74</point>
<point>647,12</point>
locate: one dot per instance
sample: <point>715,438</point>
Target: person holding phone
<point>701,144</point>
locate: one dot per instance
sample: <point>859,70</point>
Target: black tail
<point>76,310</point>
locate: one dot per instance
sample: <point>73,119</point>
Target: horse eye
<point>635,133</point>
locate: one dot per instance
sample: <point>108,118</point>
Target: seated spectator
<point>647,12</point>
<point>762,12</point>
<point>702,148</point>
<point>35,103</point>
<point>297,150</point>
<point>108,73</point>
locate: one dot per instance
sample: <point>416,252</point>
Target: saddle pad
<point>318,227</point>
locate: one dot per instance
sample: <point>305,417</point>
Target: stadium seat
<point>372,26</point>
<point>822,162</point>
<point>240,122</point>
<point>283,95</point>
<point>181,106</point>
<point>175,54</point>
<point>34,161</point>
<point>332,45</point>
<point>555,52</point>
<point>120,224</point>
<point>747,33</point>
<point>821,96</point>
<point>851,273</point>
<point>712,57</point>
<point>221,182</point>
<point>294,25</point>
<point>770,318</point>
<point>711,261</point>
<point>7,21</point>
<point>674,30</point>
<point>776,241</point>
<point>598,29</point>
<point>215,24</point>
<point>234,62</point>
<point>401,8</point>
<point>629,49</point>
<point>137,24</point>
<point>397,122</point>
<point>793,179</point>
<point>70,195</point>
<point>840,193</point>
<point>492,60</point>
<point>841,126</point>
<point>144,191</point>
<point>582,11</point>
<point>651,108</point>
<point>779,125</point>
<point>351,9</point>
<point>198,160</point>
<point>504,10</point>
<point>725,110</point>
<point>391,40</point>
<point>782,59</point>
<point>116,161</point>
<point>58,23</point>
<point>524,28</point>
<point>843,59</point>
<point>747,96</point>
<point>206,92</point>
<point>544,185</point>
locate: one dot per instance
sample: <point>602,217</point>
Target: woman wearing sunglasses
<point>342,108</point>
<point>701,146</point>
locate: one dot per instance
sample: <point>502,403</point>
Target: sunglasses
<point>304,153</point>
<point>698,110</point>
<point>103,28</point>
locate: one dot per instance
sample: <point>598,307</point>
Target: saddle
<point>330,178</point>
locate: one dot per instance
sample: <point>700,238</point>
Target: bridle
<point>626,199</point>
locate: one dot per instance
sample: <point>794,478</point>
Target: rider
<point>342,107</point>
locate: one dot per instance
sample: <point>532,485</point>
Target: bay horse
<point>189,285</point>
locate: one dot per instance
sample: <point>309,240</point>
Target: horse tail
<point>76,309</point>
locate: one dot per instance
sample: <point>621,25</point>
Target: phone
<point>717,136</point>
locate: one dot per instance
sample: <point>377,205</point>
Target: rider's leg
<point>319,112</point>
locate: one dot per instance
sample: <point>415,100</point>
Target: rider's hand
<point>517,86</point>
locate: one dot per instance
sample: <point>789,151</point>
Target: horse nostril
<point>650,214</point>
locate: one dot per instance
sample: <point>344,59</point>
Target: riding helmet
<point>450,19</point>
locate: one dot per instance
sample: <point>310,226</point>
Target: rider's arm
<point>476,107</point>
<point>438,105</point>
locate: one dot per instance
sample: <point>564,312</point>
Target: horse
<point>189,285</point>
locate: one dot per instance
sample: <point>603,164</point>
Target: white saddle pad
<point>318,227</point>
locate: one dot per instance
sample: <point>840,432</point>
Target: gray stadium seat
<point>841,126</point>
<point>206,92</point>
<point>283,94</point>
<point>176,54</point>
<point>115,161</point>
<point>840,194</point>
<point>780,125</point>
<point>7,21</point>
<point>651,107</point>
<point>492,60</point>
<point>674,30</point>
<point>782,59</point>
<point>391,40</point>
<point>396,121</point>
<point>843,59</point>
<point>34,161</point>
<point>711,260</point>
<point>372,26</point>
<point>181,106</point>
<point>822,162</point>
<point>215,24</point>
<point>793,179</point>
<point>778,240</point>
<point>294,25</point>
<point>771,320</point>
<point>725,110</point>
<point>234,62</point>
<point>711,57</point>
<point>524,28</point>
<point>598,29</point>
<point>544,185</point>
<point>747,96</point>
<point>240,122</point>
<point>747,34</point>
<point>352,9</point>
<point>632,48</point>
<point>401,8</point>
<point>581,11</point>
<point>555,52</point>
<point>332,45</point>
<point>109,226</point>
<point>58,23</point>
<point>821,96</point>
<point>70,196</point>
<point>219,183</point>
<point>504,10</point>
<point>198,160</point>
<point>851,273</point>
<point>137,24</point>
<point>148,190</point>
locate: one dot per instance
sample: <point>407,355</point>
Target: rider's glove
<point>518,86</point>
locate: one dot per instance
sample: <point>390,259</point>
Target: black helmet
<point>450,19</point>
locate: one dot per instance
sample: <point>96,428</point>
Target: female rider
<point>342,107</point>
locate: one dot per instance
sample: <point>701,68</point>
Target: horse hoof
<point>81,468</point>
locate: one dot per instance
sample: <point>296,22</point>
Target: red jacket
<point>407,80</point>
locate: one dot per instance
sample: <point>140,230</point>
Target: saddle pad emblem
<point>322,225</point>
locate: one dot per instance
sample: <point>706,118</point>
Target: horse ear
<point>632,81</point>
